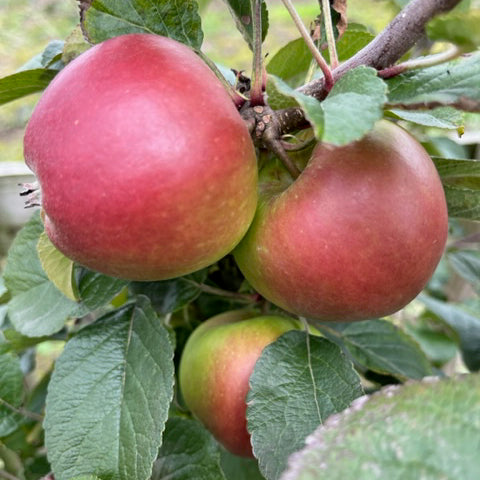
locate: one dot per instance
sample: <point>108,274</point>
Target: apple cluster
<point>148,172</point>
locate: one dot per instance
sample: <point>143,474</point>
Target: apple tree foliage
<point>357,406</point>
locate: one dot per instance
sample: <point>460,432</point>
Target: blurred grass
<point>26,27</point>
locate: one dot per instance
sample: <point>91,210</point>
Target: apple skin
<point>215,368</point>
<point>146,168</point>
<point>356,236</point>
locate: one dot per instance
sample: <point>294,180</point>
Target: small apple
<point>356,236</point>
<point>147,170</point>
<point>216,364</point>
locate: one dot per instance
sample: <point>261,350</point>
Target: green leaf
<point>380,346</point>
<point>461,182</point>
<point>239,468</point>
<point>50,58</point>
<point>11,393</point>
<point>298,381</point>
<point>464,322</point>
<point>353,106</point>
<point>436,344</point>
<point>171,295</point>
<point>57,266</point>
<point>462,202</point>
<point>11,380</point>
<point>350,43</point>
<point>24,83</point>
<point>453,83</point>
<point>15,341</point>
<point>109,397</point>
<point>37,307</point>
<point>291,62</point>
<point>349,112</point>
<point>467,264</point>
<point>427,431</point>
<point>455,169</point>
<point>95,289</point>
<point>75,45</point>
<point>242,14</point>
<point>104,19</point>
<point>460,28</point>
<point>188,451</point>
<point>443,117</point>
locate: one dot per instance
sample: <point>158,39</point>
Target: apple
<point>356,236</point>
<point>147,170</point>
<point>215,367</point>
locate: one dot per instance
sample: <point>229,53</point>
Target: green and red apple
<point>147,170</point>
<point>215,368</point>
<point>356,236</point>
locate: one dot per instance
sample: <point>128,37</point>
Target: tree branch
<point>390,45</point>
<point>381,53</point>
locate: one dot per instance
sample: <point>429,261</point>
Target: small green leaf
<point>428,430</point>
<point>461,182</point>
<point>298,381</point>
<point>436,344</point>
<point>460,28</point>
<point>109,396</point>
<point>464,322</point>
<point>95,289</point>
<point>242,14</point>
<point>37,307</point>
<point>467,264</point>
<point>49,58</point>
<point>451,168</point>
<point>57,266</point>
<point>350,43</point>
<point>75,45</point>
<point>15,341</point>
<point>462,202</point>
<point>380,346</point>
<point>24,83</point>
<point>103,19</point>
<point>291,62</point>
<point>353,106</point>
<point>443,117</point>
<point>11,393</point>
<point>350,110</point>
<point>453,83</point>
<point>188,451</point>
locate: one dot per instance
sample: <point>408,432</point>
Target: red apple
<point>216,364</point>
<point>356,236</point>
<point>147,170</point>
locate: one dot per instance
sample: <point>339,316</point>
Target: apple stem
<point>327,72</point>
<point>332,49</point>
<point>276,146</point>
<point>256,92</point>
